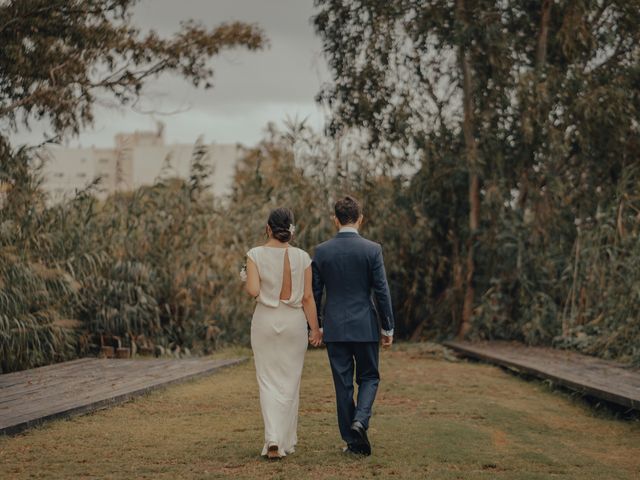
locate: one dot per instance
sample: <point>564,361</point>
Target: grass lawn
<point>433,419</point>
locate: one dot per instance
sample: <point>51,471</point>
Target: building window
<point>104,160</point>
<point>82,175</point>
<point>58,174</point>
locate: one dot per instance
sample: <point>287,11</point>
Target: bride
<point>279,277</point>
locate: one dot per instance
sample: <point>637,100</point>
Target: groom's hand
<point>386,341</point>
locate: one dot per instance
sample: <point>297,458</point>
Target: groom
<point>351,271</point>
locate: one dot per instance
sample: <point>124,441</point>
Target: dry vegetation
<point>157,268</point>
<point>433,419</point>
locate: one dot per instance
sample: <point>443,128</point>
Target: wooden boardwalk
<point>610,381</point>
<point>80,386</point>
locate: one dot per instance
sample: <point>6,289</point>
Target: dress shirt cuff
<point>388,333</point>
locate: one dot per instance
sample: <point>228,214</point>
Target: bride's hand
<point>315,337</point>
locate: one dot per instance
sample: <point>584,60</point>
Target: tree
<point>64,275</point>
<point>404,72</point>
<point>538,101</point>
<point>59,56</point>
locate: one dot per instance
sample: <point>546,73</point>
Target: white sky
<point>250,89</point>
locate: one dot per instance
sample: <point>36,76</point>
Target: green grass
<point>433,419</point>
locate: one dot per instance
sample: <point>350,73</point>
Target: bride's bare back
<point>285,291</point>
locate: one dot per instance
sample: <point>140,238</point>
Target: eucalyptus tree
<point>409,73</point>
<point>535,103</point>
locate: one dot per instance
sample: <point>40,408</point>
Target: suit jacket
<point>351,270</point>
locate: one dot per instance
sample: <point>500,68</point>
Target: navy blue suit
<point>350,270</point>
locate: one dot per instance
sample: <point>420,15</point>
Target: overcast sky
<point>250,89</point>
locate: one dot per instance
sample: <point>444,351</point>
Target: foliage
<point>68,272</point>
<point>158,267</point>
<point>59,56</point>
<point>538,103</point>
<point>37,295</point>
<point>501,174</point>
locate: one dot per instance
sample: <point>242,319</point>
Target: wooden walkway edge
<point>607,380</point>
<point>66,389</point>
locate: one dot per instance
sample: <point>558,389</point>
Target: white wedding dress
<point>279,341</point>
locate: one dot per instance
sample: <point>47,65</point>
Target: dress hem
<point>281,451</point>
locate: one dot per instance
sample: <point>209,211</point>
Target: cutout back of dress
<point>285,291</point>
<point>281,272</point>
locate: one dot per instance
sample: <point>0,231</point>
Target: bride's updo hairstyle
<point>280,222</point>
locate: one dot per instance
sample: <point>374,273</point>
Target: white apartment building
<point>137,159</point>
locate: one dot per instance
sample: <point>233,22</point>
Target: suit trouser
<point>343,356</point>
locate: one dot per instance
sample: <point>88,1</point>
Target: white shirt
<point>386,333</point>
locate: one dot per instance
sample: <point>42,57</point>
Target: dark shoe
<point>351,449</point>
<point>362,444</point>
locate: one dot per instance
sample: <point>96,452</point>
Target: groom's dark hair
<point>347,210</point>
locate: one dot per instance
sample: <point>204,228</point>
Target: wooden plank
<point>96,384</point>
<point>99,384</point>
<point>604,379</point>
<point>24,376</point>
<point>575,372</point>
<point>106,394</point>
<point>106,369</point>
<point>90,373</point>
<point>125,383</point>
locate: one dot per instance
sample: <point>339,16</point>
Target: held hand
<point>387,341</point>
<point>315,337</point>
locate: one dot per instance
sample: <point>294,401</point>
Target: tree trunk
<point>543,35</point>
<point>541,60</point>
<point>468,128</point>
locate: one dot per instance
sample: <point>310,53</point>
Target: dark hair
<point>279,221</point>
<point>347,210</point>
